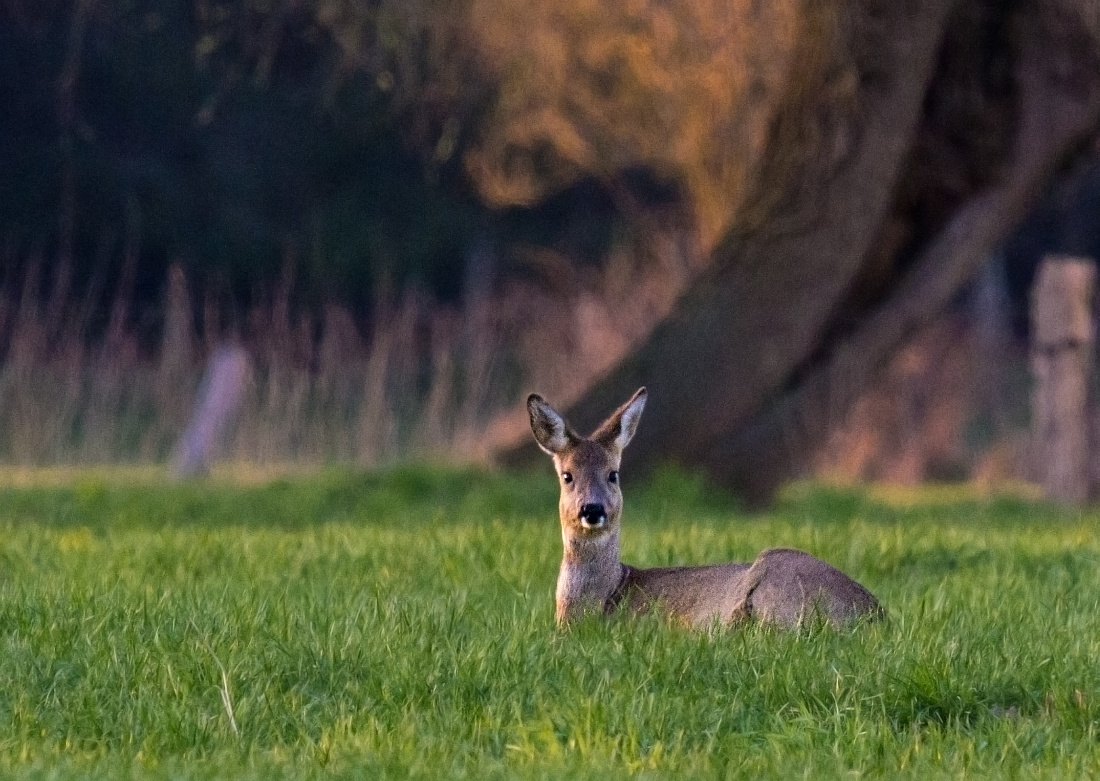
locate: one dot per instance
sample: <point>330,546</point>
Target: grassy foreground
<point>400,625</point>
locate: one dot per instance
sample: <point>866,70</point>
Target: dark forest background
<point>228,138</point>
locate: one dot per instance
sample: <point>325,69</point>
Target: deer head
<point>591,501</point>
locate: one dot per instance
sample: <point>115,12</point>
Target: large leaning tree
<point>848,165</point>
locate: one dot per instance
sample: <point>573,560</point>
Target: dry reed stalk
<point>389,383</point>
<point>433,428</point>
<point>479,396</point>
<point>177,367</point>
<point>340,363</point>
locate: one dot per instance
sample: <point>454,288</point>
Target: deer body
<point>780,586</point>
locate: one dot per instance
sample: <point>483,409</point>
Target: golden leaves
<point>687,89</point>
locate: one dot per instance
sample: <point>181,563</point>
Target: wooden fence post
<point>1061,352</point>
<point>219,399</point>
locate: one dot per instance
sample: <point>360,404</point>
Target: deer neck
<point>590,573</point>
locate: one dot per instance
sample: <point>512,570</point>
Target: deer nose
<point>593,515</point>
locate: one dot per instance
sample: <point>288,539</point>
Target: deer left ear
<point>617,431</point>
<point>550,429</point>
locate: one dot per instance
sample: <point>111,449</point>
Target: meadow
<point>399,624</point>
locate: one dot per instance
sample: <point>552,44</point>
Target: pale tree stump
<point>1061,350</point>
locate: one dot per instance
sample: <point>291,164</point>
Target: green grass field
<point>401,625</point>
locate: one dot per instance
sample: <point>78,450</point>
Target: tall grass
<point>418,380</point>
<point>401,625</point>
<point>422,381</point>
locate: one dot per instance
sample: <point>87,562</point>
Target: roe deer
<point>781,586</point>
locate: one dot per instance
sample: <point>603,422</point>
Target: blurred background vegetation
<point>329,183</point>
<point>411,212</point>
<point>232,138</point>
<point>361,144</point>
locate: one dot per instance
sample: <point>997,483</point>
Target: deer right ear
<point>617,431</point>
<point>550,430</point>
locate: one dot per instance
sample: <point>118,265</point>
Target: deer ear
<point>617,431</point>
<point>550,429</point>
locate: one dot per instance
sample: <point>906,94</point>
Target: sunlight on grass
<point>58,476</point>
<point>911,496</point>
<point>232,472</point>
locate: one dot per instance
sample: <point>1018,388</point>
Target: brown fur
<point>780,586</point>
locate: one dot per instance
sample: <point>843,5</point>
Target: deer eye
<point>613,477</point>
<point>566,477</point>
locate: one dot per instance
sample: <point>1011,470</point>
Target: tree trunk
<point>792,321</point>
